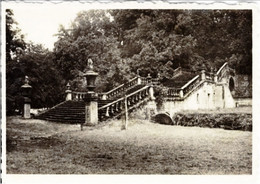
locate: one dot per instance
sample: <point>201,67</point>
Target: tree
<point>28,59</point>
<point>190,38</point>
<point>93,35</point>
<point>14,38</point>
<point>152,40</point>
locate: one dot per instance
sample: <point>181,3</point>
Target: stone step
<point>69,121</point>
<point>74,111</point>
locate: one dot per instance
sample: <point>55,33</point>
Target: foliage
<point>91,35</point>
<point>123,43</point>
<point>189,38</point>
<point>14,38</point>
<point>27,59</point>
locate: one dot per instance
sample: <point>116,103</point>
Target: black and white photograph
<point>127,90</point>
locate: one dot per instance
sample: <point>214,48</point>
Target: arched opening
<point>231,84</point>
<point>163,118</point>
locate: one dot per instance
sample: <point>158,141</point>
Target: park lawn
<point>40,147</point>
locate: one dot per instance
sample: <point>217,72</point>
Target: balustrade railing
<point>116,106</point>
<point>173,92</point>
<point>191,84</point>
<point>222,71</point>
<point>120,89</point>
<point>78,96</point>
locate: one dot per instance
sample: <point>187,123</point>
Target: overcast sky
<point>39,24</point>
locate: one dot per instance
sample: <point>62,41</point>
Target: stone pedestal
<point>27,108</point>
<point>151,93</point>
<point>26,92</point>
<point>68,95</point>
<point>91,110</point>
<point>91,105</point>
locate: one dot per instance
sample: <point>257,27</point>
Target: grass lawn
<point>40,147</point>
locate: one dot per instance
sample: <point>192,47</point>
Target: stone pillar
<point>181,93</point>
<point>203,75</point>
<point>26,91</point>
<point>215,78</point>
<point>68,93</point>
<point>91,109</point>
<point>27,108</point>
<point>91,104</point>
<point>151,93</point>
<point>139,81</point>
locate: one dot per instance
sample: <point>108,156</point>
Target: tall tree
<point>28,59</point>
<point>190,38</point>
<point>93,35</point>
<point>14,38</point>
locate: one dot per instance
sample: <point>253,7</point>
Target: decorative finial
<point>90,64</point>
<point>215,69</point>
<point>68,86</point>
<point>138,72</point>
<point>26,80</point>
<point>211,69</point>
<point>203,67</point>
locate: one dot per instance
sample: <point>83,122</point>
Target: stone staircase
<point>68,112</point>
<point>73,111</point>
<point>133,93</point>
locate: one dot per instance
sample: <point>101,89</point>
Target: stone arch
<point>163,118</point>
<point>231,84</point>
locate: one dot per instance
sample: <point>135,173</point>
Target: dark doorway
<point>231,84</point>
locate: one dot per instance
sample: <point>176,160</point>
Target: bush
<point>227,121</point>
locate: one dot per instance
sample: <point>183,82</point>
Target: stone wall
<point>208,96</point>
<point>243,86</point>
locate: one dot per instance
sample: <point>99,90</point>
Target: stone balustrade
<point>115,107</point>
<point>181,92</point>
<point>222,71</point>
<point>120,89</point>
<point>78,96</point>
<point>191,84</point>
<point>173,92</point>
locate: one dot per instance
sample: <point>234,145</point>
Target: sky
<point>40,24</point>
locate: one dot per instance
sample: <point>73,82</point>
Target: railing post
<point>215,78</point>
<point>107,112</point>
<point>151,93</point>
<point>68,93</point>
<point>181,93</point>
<point>203,75</point>
<point>125,116</point>
<point>139,81</point>
<point>104,97</point>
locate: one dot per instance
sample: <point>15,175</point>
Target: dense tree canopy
<point>124,42</point>
<point>188,38</point>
